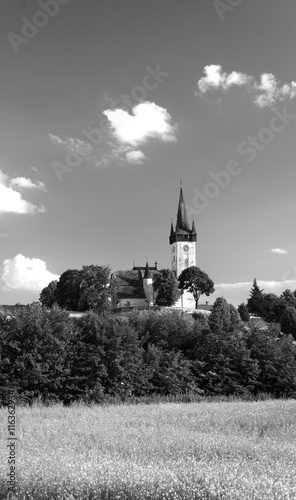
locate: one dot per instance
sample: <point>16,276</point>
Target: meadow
<point>207,451</point>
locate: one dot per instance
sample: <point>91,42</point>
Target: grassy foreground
<point>234,450</point>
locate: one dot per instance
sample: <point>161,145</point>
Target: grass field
<point>234,450</point>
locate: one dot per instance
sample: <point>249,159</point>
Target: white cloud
<point>21,273</point>
<point>267,91</point>
<point>136,157</point>
<point>147,121</point>
<point>25,183</point>
<point>11,201</point>
<point>83,148</point>
<point>217,79</point>
<point>279,250</point>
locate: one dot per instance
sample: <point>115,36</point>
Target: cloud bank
<point>267,91</point>
<point>22,273</point>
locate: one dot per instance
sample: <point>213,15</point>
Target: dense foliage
<point>79,290</point>
<point>165,284</point>
<point>44,353</point>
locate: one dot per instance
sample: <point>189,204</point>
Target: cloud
<point>22,273</point>
<point>279,250</point>
<point>11,201</point>
<point>215,79</point>
<point>147,121</point>
<point>24,183</point>
<point>266,92</point>
<point>136,157</point>
<point>83,148</point>
<point>57,140</point>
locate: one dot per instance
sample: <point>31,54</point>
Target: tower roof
<point>182,217</point>
<point>183,231</point>
<point>193,231</point>
<point>147,274</point>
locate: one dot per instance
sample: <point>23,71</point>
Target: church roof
<point>182,217</point>
<point>129,284</point>
<point>183,232</point>
<point>147,274</point>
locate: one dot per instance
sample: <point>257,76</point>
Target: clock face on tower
<point>185,248</point>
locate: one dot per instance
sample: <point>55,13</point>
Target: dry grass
<point>236,450</point>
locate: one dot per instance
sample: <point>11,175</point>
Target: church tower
<point>182,240</point>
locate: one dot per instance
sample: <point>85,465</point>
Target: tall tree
<point>48,296</point>
<point>288,321</point>
<point>68,289</point>
<point>196,282</point>
<point>235,319</point>
<point>219,319</point>
<point>244,312</point>
<point>289,297</point>
<point>94,291</point>
<point>165,284</point>
<point>255,299</point>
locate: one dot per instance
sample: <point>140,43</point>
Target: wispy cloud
<point>11,200</point>
<point>22,273</point>
<point>136,157</point>
<point>26,183</point>
<point>267,91</point>
<point>147,121</point>
<point>279,250</point>
<point>82,147</point>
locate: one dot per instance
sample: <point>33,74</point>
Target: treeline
<point>46,354</point>
<point>272,308</point>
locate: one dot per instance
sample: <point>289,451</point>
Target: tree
<point>165,284</point>
<point>243,312</point>
<point>256,298</point>
<point>219,319</point>
<point>235,320</point>
<point>289,297</point>
<point>196,282</point>
<point>48,296</point>
<point>68,289</point>
<point>94,292</point>
<point>33,346</point>
<point>288,321</point>
<point>275,354</point>
<point>272,307</point>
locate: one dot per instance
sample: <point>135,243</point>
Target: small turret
<point>147,285</point>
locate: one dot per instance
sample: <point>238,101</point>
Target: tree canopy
<point>165,284</point>
<point>79,290</point>
<point>196,282</point>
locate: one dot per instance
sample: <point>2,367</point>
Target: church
<point>133,288</point>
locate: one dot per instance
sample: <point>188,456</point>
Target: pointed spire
<point>147,274</point>
<point>182,218</point>
<point>193,231</point>
<point>172,229</point>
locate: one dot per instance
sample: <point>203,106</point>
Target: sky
<point>106,105</point>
